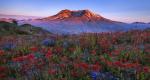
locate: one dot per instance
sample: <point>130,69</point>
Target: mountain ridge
<point>79,14</point>
<point>79,21</point>
<point>17,17</point>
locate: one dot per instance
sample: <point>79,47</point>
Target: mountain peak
<point>77,13</point>
<point>82,14</point>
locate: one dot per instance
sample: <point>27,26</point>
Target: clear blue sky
<point>120,10</point>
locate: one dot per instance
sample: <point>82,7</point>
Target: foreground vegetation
<point>103,56</point>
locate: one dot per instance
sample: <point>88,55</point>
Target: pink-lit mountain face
<point>81,21</point>
<point>81,15</point>
<point>77,17</point>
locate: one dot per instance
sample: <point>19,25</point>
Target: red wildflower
<point>124,60</point>
<point>102,58</point>
<point>84,65</point>
<point>74,73</point>
<point>44,50</point>
<point>146,69</point>
<point>71,49</point>
<point>58,49</point>
<point>118,63</point>
<point>64,59</point>
<point>96,67</point>
<point>147,50</point>
<point>62,65</point>
<point>2,68</point>
<point>18,59</point>
<point>40,63</point>
<point>2,71</point>
<point>93,52</point>
<point>109,63</point>
<point>48,54</point>
<point>129,65</point>
<point>30,57</point>
<point>114,39</point>
<point>1,52</point>
<point>2,76</point>
<point>34,49</point>
<point>76,65</point>
<point>51,72</point>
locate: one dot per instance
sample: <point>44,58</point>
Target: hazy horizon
<point>118,10</point>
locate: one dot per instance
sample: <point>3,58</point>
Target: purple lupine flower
<point>49,42</point>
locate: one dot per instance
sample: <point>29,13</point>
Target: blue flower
<point>94,75</point>
<point>8,46</point>
<point>102,76</point>
<point>141,46</point>
<point>48,42</point>
<point>65,44</point>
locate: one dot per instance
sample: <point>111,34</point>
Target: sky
<point>118,10</point>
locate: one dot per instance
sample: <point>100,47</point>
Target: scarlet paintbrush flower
<point>147,50</point>
<point>39,63</point>
<point>118,64</point>
<point>108,63</point>
<point>2,68</point>
<point>96,67</point>
<point>58,49</point>
<point>129,65</point>
<point>1,52</point>
<point>43,50</point>
<point>48,54</point>
<point>146,69</point>
<point>34,49</point>
<point>123,60</point>
<point>93,52</point>
<point>74,73</point>
<point>18,59</point>
<point>76,66</point>
<point>2,76</point>
<point>114,39</point>
<point>64,59</point>
<point>62,65</point>
<point>84,66</point>
<point>71,49</point>
<point>102,58</point>
<point>30,56</point>
<point>51,72</point>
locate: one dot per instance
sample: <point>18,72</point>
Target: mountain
<point>81,21</point>
<point>80,15</point>
<point>140,25</point>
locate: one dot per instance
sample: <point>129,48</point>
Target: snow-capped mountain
<point>72,22</point>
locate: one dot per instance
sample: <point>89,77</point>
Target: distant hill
<point>17,17</point>
<point>7,28</point>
